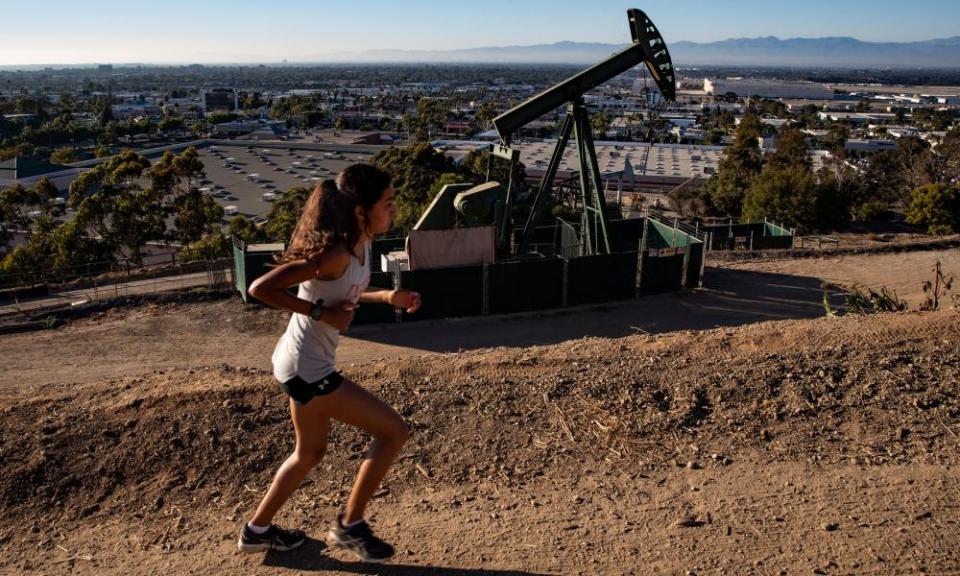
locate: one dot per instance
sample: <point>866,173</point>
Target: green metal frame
<point>648,48</point>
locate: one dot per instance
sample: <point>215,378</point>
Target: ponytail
<point>328,216</point>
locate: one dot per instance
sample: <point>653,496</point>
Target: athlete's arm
<point>399,298</point>
<point>328,264</point>
<point>374,295</point>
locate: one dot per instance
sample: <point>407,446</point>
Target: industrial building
<point>763,88</point>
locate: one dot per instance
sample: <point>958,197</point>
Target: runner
<point>329,258</point>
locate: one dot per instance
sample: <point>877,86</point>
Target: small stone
<point>689,522</point>
<point>829,526</point>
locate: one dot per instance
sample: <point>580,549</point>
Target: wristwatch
<point>316,310</point>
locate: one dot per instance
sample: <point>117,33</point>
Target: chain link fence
<point>54,292</point>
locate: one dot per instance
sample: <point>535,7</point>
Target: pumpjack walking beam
<point>648,48</point>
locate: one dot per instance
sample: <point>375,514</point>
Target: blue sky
<point>304,30</point>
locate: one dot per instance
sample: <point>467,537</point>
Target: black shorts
<point>302,391</point>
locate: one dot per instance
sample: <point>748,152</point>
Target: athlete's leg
<point>353,405</point>
<point>311,427</point>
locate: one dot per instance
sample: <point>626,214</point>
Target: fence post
<point>485,309</point>
<point>703,264</point>
<point>684,266</point>
<point>565,287</point>
<point>751,240</point>
<point>643,249</point>
<point>397,312</point>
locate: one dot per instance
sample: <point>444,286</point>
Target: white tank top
<point>308,347</point>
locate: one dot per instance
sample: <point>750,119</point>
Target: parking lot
<point>245,179</point>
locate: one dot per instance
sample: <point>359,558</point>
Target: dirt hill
<point>825,446</point>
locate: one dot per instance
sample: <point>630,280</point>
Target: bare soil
<point>732,431</point>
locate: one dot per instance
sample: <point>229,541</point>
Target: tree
<point>414,169</point>
<point>171,123</point>
<point>949,153</point>
<point>197,215</point>
<point>112,204</point>
<point>44,195</point>
<point>785,195</point>
<point>741,162</point>
<point>600,122</point>
<point>431,114</point>
<point>443,180</point>
<point>285,212</point>
<point>72,249</point>
<point>244,229</point>
<point>176,174</point>
<point>791,150</point>
<point>786,189</point>
<point>916,166</point>
<point>836,137</point>
<point>222,117</point>
<point>208,247</point>
<point>714,137</point>
<point>15,203</point>
<point>21,265</point>
<point>105,115</point>
<point>486,112</point>
<point>936,206</point>
<point>63,156</point>
<point>474,169</point>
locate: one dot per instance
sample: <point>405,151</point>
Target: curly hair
<point>328,217</point>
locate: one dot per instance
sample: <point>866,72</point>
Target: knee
<point>399,433</point>
<point>309,457</point>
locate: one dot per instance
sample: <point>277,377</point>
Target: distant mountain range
<point>838,52</point>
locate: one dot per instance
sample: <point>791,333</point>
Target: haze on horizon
<point>218,31</point>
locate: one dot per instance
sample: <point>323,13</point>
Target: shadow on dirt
<point>311,556</point>
<point>732,298</point>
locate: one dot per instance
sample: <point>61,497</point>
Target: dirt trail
<point>800,446</point>
<point>126,342</point>
<point>731,431</point>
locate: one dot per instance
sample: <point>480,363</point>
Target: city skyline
<point>296,31</point>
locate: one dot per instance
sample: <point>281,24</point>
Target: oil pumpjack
<point>492,204</point>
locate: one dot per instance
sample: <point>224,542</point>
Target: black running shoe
<point>360,540</point>
<point>275,538</point>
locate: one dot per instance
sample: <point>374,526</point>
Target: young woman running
<point>328,258</point>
